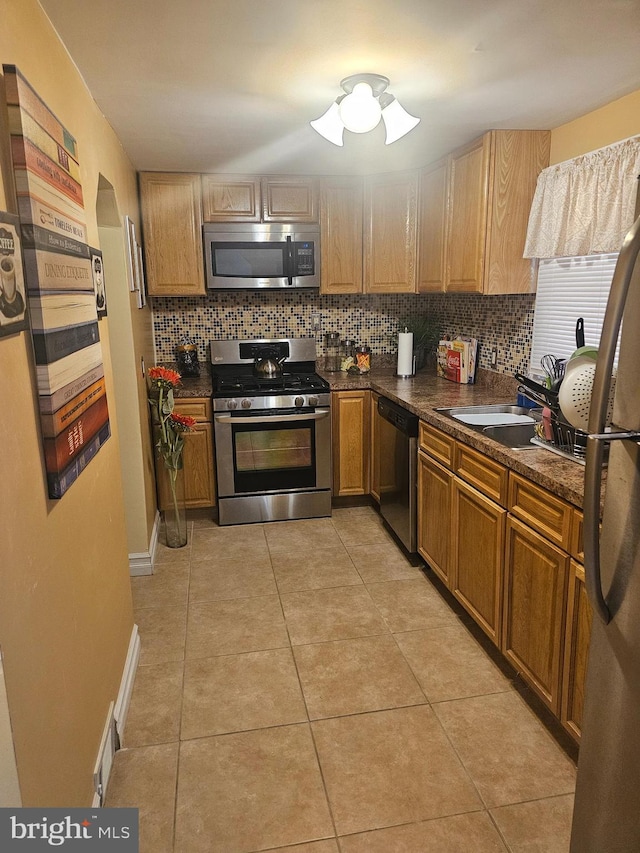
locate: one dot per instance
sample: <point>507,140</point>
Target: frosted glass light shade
<point>397,121</point>
<point>360,111</point>
<point>330,125</point>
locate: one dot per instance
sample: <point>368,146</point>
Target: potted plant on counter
<point>426,334</point>
<point>169,428</point>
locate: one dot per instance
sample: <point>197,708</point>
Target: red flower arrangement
<point>162,383</point>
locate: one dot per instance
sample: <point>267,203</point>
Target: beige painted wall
<point>616,121</point>
<point>65,596</point>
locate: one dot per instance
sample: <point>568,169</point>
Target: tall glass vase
<point>174,514</point>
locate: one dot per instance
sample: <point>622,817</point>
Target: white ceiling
<point>231,85</point>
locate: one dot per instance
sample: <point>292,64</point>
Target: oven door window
<point>274,457</point>
<point>249,260</point>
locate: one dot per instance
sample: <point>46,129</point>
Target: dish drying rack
<point>567,441</point>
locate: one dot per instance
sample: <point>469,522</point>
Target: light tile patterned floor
<point>302,687</point>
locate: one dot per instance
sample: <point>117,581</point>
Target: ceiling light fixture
<point>361,108</point>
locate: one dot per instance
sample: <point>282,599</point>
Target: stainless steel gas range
<point>272,431</point>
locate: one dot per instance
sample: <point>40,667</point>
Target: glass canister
<point>187,359</point>
<point>332,345</point>
<point>347,354</point>
<point>363,358</point>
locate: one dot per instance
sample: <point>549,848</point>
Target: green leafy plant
<point>427,331</point>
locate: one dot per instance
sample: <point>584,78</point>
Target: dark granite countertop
<point>423,393</point>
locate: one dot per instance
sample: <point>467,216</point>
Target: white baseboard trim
<point>142,562</point>
<point>9,785</point>
<point>126,684</point>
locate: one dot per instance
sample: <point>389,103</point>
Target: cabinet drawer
<point>541,510</point>
<point>198,408</point>
<point>437,444</point>
<point>487,476</point>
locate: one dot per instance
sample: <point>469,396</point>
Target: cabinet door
<point>477,556</point>
<point>199,489</point>
<point>351,413</point>
<point>390,233</point>
<point>576,651</point>
<point>383,437</point>
<point>435,484</point>
<point>536,579</point>
<point>517,158</point>
<point>172,226</point>
<point>341,202</point>
<point>431,228</point>
<point>230,198</point>
<point>467,221</point>
<point>289,200</point>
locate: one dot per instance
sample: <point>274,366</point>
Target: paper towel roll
<point>405,354</point>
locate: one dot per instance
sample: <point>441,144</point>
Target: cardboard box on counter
<point>457,360</point>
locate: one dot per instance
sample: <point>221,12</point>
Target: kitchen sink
<point>511,426</point>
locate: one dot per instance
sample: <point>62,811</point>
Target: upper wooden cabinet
<point>231,198</point>
<point>434,188</point>
<point>249,198</point>
<point>172,227</point>
<point>491,185</point>
<point>474,210</point>
<point>289,199</point>
<point>390,216</point>
<point>341,200</point>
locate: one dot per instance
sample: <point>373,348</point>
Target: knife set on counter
<point>457,358</point>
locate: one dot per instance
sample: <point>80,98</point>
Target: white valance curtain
<point>585,206</point>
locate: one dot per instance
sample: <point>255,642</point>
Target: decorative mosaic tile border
<point>505,322</point>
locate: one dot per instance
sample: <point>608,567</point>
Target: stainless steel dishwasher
<point>399,498</point>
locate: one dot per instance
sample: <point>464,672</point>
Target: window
<point>569,288</point>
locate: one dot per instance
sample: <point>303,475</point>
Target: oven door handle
<point>317,415</point>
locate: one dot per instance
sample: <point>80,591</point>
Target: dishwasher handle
<point>403,420</point>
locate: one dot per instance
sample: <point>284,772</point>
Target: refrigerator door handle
<point>592,481</point>
<point>598,415</point>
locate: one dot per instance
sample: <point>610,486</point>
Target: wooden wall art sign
<point>59,270</point>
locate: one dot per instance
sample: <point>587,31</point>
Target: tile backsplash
<point>505,322</point>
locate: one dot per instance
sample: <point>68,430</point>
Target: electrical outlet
<point>494,357</point>
<point>316,322</point>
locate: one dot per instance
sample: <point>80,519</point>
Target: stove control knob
<point>313,401</point>
<point>246,404</point>
<point>298,402</point>
<point>232,404</point>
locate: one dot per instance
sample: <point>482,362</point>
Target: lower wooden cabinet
<point>383,438</point>
<point>435,486</point>
<point>199,477</point>
<point>477,556</point>
<point>351,431</point>
<point>576,651</point>
<point>510,552</point>
<point>535,596</point>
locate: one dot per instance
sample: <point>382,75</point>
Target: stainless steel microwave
<point>247,256</point>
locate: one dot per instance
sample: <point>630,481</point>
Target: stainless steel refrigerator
<point>607,806</point>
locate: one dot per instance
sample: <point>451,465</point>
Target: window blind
<point>569,288</point>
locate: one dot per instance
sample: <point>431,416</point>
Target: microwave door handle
<point>289,265</point>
